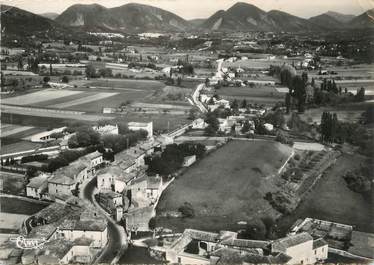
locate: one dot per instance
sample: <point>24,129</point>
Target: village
<point>184,147</point>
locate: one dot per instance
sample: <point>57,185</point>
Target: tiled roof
<point>282,244</point>
<point>319,243</point>
<point>202,235</point>
<point>38,181</point>
<point>93,155</point>
<point>243,243</point>
<point>61,179</point>
<point>112,170</point>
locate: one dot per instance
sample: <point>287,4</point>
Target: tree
<point>105,72</point>
<point>179,81</point>
<point>152,223</point>
<point>207,82</point>
<point>246,127</point>
<point>244,104</point>
<point>65,79</point>
<point>255,229</point>
<point>50,69</point>
<point>192,114</point>
<point>213,123</point>
<point>288,102</point>
<point>299,92</point>
<point>234,104</point>
<point>187,210</point>
<point>90,71</point>
<point>20,64</point>
<point>46,79</point>
<point>360,96</point>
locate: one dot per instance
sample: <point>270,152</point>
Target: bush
<point>65,79</point>
<point>187,210</point>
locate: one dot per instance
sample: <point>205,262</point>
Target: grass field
<point>13,183</point>
<point>123,83</point>
<point>18,147</point>
<point>332,200</point>
<point>225,187</point>
<point>20,206</point>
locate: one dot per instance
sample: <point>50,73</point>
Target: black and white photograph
<point>187,132</point>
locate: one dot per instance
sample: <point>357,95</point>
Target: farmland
<point>224,190</point>
<point>258,94</point>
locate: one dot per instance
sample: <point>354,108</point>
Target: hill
<point>23,23</point>
<point>343,18</point>
<point>130,18</point>
<point>50,15</point>
<point>365,20</point>
<point>247,17</point>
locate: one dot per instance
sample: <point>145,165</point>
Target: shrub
<point>187,210</point>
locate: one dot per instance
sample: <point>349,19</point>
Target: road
<point>116,237</point>
<point>195,98</point>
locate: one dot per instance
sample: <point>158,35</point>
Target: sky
<point>190,9</point>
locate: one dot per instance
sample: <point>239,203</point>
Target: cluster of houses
<point>72,231</point>
<point>200,247</point>
<point>65,180</point>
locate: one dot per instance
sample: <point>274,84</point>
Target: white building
<point>189,160</point>
<point>107,129</point>
<point>46,136</point>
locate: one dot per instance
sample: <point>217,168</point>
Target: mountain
<point>21,22</point>
<point>247,17</point>
<point>365,20</point>
<point>127,18</point>
<point>49,15</point>
<point>343,18</point>
<point>326,21</point>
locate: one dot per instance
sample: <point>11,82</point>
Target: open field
<point>39,96</point>
<point>21,206</point>
<point>18,147</point>
<point>84,100</point>
<point>13,183</point>
<point>11,221</point>
<point>11,129</point>
<point>112,101</point>
<point>51,113</point>
<point>122,83</point>
<point>332,200</point>
<point>225,189</point>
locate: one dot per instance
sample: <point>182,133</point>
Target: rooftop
<point>61,179</point>
<point>282,244</point>
<point>38,181</point>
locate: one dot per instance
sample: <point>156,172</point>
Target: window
<point>302,262</point>
<point>179,260</point>
<point>315,252</point>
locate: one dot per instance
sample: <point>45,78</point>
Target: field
<point>122,84</point>
<point>18,147</point>
<point>226,187</point>
<point>11,129</point>
<point>258,94</point>
<point>10,221</point>
<point>332,200</point>
<point>13,183</point>
<point>39,96</point>
<point>21,206</point>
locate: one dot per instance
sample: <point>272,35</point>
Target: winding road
<point>117,239</point>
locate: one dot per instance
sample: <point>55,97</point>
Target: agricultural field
<point>39,96</point>
<point>121,84</point>
<point>13,183</point>
<point>332,200</point>
<point>21,205</point>
<point>18,147</point>
<point>225,189</point>
<point>11,129</point>
<point>258,94</point>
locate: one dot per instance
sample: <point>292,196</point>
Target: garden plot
<point>39,96</point>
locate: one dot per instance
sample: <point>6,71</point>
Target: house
<point>110,200</point>
<point>106,129</point>
<point>225,248</point>
<point>112,178</point>
<point>92,161</point>
<point>302,248</point>
<point>38,186</point>
<point>199,124</point>
<point>145,190</point>
<point>60,185</point>
<point>137,219</point>
<point>189,160</point>
<point>146,126</point>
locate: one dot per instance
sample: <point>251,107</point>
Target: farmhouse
<point>225,248</point>
<point>145,190</point>
<point>112,178</point>
<point>137,219</point>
